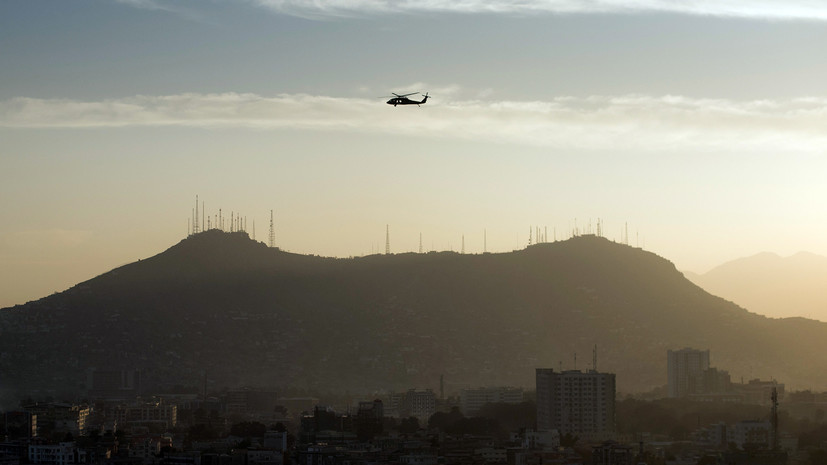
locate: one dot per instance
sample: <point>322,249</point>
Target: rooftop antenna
<point>594,359</point>
<point>463,244</point>
<point>195,222</point>
<point>529,235</point>
<point>220,220</point>
<point>420,242</point>
<point>387,240</point>
<point>774,398</point>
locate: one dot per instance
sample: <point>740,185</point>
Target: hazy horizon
<point>700,126</point>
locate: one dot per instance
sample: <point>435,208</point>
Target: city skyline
<point>699,126</point>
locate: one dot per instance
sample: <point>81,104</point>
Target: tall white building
<point>420,404</point>
<point>685,370</point>
<point>576,402</point>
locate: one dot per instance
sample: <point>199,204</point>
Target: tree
<point>818,457</point>
<point>442,420</point>
<point>201,432</point>
<point>248,429</point>
<point>568,440</point>
<point>409,425</point>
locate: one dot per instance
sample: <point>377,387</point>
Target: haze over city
<point>413,232</point>
<point>699,125</point>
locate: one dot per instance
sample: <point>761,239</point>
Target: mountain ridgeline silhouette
<point>245,314</point>
<point>772,285</point>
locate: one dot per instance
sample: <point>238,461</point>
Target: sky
<point>700,127</point>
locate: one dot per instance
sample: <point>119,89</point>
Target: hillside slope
<point>247,314</point>
<point>772,285</point>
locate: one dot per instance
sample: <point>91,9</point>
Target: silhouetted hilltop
<point>253,315</point>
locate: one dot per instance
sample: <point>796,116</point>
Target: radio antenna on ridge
<point>271,242</point>
<point>387,240</point>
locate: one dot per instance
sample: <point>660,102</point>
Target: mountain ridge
<point>221,303</point>
<point>772,285</point>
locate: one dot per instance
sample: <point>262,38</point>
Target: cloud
<point>766,9</point>
<point>147,4</point>
<point>626,122</point>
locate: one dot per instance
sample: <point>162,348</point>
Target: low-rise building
<point>63,453</point>
<point>472,400</point>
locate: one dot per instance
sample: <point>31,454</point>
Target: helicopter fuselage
<point>405,101</point>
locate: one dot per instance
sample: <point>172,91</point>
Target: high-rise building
<point>575,402</point>
<point>685,369</point>
<point>420,404</point>
<point>369,419</point>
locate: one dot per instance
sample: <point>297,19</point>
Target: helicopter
<point>404,100</point>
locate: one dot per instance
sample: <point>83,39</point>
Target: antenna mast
<point>195,220</point>
<point>387,240</point>
<point>774,420</point>
<point>271,242</point>
<point>594,357</point>
<point>420,242</point>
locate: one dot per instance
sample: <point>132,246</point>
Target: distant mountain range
<point>245,314</point>
<point>772,285</point>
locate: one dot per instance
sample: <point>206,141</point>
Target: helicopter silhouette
<point>404,100</point>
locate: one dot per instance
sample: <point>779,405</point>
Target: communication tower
<point>271,241</point>
<point>594,358</point>
<point>195,220</point>
<point>774,418</point>
<point>387,240</point>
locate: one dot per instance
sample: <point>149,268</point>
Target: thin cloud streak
<point>628,122</point>
<point>758,9</point>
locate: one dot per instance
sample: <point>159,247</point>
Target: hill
<point>772,285</point>
<point>250,315</point>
